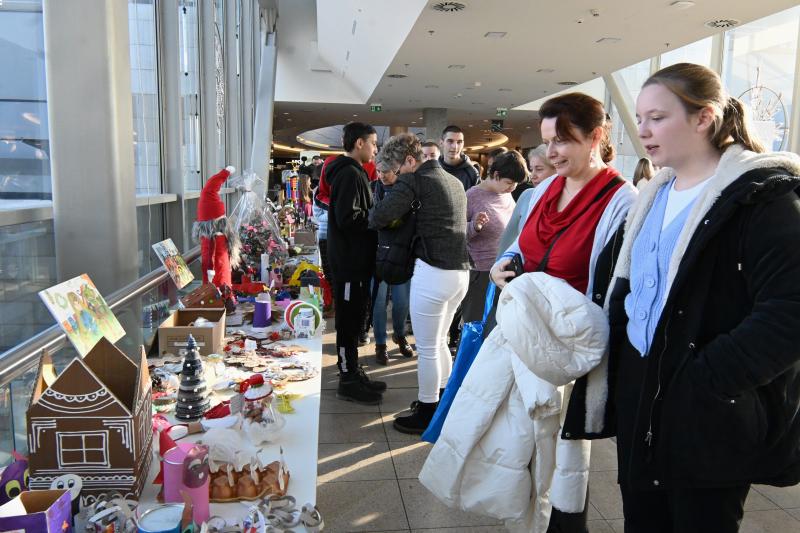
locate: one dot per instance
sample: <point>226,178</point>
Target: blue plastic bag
<point>471,341</point>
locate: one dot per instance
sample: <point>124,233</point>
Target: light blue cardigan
<point>613,216</point>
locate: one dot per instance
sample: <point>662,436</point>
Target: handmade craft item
<point>193,398</point>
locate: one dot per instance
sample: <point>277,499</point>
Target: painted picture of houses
<point>174,263</point>
<point>94,421</point>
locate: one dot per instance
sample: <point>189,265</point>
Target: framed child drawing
<point>174,263</point>
<point>82,313</point>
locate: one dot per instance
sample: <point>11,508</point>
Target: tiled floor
<point>367,471</point>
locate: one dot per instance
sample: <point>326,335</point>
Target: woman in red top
<point>572,218</point>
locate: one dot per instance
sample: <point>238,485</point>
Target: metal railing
<point>25,355</point>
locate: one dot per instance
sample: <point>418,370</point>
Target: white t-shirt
<point>678,200</point>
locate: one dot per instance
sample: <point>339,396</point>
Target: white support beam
<point>615,85</point>
<point>794,121</point>
<point>717,52</point>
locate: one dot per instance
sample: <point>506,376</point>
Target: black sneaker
<point>355,391</point>
<point>363,339</point>
<point>417,422</point>
<point>377,386</point>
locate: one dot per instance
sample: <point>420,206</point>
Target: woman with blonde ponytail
<point>705,314</point>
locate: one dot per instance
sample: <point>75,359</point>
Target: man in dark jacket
<point>453,158</point>
<point>351,255</point>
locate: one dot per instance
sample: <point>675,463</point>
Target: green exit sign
<point>502,112</point>
<point>375,108</point>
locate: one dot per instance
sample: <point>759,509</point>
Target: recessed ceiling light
<point>495,34</point>
<point>396,76</point>
<point>449,7</point>
<point>288,120</point>
<point>420,118</point>
<point>285,112</point>
<point>478,103</point>
<point>457,67</point>
<point>504,90</point>
<point>527,127</point>
<point>477,84</point>
<point>486,120</point>
<point>431,86</point>
<point>721,24</point>
<point>546,70</point>
<point>413,121</point>
<point>355,115</point>
<point>457,95</point>
<point>682,4</point>
<point>567,83</point>
<point>608,40</point>
<point>469,126</point>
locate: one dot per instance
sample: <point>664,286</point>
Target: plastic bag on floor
<point>471,342</point>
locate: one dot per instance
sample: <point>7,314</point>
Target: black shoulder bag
<point>394,258</point>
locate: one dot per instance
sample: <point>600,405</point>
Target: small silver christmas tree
<point>192,395</point>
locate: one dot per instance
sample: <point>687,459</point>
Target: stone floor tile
<point>618,526</point>
<point>361,506</point>
<point>775,521</point>
<point>330,378</point>
<point>359,427</point>
<point>425,511</point>
<point>599,526</point>
<point>354,462</point>
<point>758,502</point>
<point>604,455</point>
<point>329,403</point>
<point>783,497</point>
<point>398,399</point>
<point>475,529</point>
<point>398,373</point>
<point>593,513</point>
<point>604,494</point>
<point>794,512</point>
<point>408,458</point>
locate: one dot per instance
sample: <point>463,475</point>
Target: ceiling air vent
<point>449,7</point>
<point>396,76</point>
<point>722,24</point>
<point>568,83</point>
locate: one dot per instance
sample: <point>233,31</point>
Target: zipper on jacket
<point>648,439</point>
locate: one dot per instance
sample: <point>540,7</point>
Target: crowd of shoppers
<point>700,383</point>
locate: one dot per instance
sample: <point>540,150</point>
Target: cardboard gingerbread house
<point>92,421</point>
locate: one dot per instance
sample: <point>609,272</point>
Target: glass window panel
<point>24,138</point>
<point>626,158</point>
<point>759,69</point>
<point>219,60</point>
<point>634,76</point>
<point>697,52</point>
<point>190,93</point>
<point>27,266</point>
<point>144,88</point>
<point>150,221</point>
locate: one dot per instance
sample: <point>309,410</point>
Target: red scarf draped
<point>569,259</point>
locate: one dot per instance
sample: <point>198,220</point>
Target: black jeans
<point>350,299</point>
<point>570,522</point>
<point>682,510</point>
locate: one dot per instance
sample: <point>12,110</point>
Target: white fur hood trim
<point>734,162</point>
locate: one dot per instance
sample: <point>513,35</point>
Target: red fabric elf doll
<point>219,240</point>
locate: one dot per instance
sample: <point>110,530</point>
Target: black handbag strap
<point>616,180</point>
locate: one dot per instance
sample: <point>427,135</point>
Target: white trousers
<point>435,297</point>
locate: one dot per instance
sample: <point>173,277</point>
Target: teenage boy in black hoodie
<point>351,255</point>
<point>453,158</point>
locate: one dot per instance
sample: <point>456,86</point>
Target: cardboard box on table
<point>42,511</point>
<point>175,330</point>
<point>92,421</point>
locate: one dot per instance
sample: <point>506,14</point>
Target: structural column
<point>435,119</point>
<point>91,140</point>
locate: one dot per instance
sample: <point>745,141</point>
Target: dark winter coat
<point>441,218</point>
<point>351,244</point>
<point>719,392</point>
<point>464,171</point>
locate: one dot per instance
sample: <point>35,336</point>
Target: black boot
<point>413,405</point>
<point>417,422</point>
<point>380,355</point>
<point>352,389</point>
<point>402,343</point>
<point>373,385</point>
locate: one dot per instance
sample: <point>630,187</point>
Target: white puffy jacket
<point>507,413</point>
